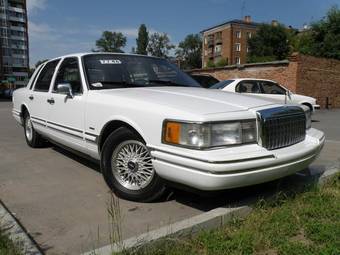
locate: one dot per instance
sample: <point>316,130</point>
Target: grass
<point>7,247</point>
<point>302,223</point>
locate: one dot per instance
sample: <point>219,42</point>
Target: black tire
<point>120,137</point>
<point>33,140</point>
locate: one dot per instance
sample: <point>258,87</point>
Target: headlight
<point>308,114</point>
<point>208,135</point>
<point>308,118</point>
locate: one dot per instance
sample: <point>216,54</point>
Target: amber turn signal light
<point>172,132</point>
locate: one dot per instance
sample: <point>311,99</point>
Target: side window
<point>69,73</point>
<point>272,88</point>
<point>45,76</point>
<point>34,77</point>
<point>248,87</point>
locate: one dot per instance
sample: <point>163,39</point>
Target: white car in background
<point>267,89</point>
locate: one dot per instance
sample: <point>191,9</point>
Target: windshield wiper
<point>167,82</point>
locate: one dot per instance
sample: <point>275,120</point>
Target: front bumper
<point>316,107</point>
<point>235,166</point>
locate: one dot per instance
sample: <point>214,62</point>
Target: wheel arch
<point>309,105</point>
<point>113,125</point>
<point>23,110</point>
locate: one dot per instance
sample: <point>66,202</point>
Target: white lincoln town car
<point>150,125</point>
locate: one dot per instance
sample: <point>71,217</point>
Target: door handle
<point>50,101</point>
<point>31,97</point>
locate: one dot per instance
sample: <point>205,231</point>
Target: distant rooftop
<point>246,21</point>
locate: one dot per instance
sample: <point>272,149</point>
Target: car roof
<point>250,79</point>
<point>81,54</point>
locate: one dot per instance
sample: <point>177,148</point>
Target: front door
<point>66,113</point>
<point>37,103</point>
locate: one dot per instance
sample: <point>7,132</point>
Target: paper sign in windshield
<point>110,62</point>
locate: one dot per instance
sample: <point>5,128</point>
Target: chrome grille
<point>281,126</point>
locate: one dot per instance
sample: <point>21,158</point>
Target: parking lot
<point>61,199</point>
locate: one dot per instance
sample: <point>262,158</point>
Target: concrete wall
<point>310,76</point>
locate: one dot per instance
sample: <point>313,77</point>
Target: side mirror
<point>65,88</point>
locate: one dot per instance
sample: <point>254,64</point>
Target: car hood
<point>189,99</point>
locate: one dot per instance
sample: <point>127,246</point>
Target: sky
<point>59,27</point>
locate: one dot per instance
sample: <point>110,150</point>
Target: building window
<point>238,46</point>
<point>238,34</point>
<point>248,35</point>
<point>237,60</point>
<point>218,48</point>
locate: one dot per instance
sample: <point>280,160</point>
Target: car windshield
<point>221,84</point>
<point>110,71</point>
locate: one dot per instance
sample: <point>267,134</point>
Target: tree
<point>159,45</point>
<point>269,43</point>
<point>323,37</point>
<point>190,51</point>
<point>39,62</point>
<point>111,42</point>
<point>142,40</point>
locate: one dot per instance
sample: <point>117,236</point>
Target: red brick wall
<point>319,78</point>
<point>306,75</point>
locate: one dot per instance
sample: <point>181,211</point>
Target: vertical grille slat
<point>282,126</point>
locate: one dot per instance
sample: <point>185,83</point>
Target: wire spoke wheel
<point>28,128</point>
<point>132,165</point>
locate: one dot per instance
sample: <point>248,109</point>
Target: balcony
<point>16,9</point>
<point>21,56</point>
<point>20,38</point>
<point>20,65</point>
<point>218,40</point>
<point>20,74</point>
<point>22,29</point>
<point>217,53</point>
<point>20,47</point>
<point>211,42</point>
<point>17,19</point>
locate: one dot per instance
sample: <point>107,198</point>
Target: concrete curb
<point>209,220</point>
<point>327,175</point>
<point>16,233</point>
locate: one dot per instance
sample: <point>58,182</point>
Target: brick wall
<point>306,75</point>
<point>319,78</point>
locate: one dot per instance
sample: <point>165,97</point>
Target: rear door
<point>249,87</point>
<point>38,105</point>
<point>273,91</point>
<point>66,114</point>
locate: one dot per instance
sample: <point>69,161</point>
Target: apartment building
<point>227,42</point>
<point>14,61</point>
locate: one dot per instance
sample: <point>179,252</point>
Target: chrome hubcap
<point>28,129</point>
<point>132,165</point>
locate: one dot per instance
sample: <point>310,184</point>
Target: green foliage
<point>159,45</point>
<point>323,38</point>
<point>269,42</point>
<point>222,62</point>
<point>40,62</point>
<point>111,42</point>
<point>143,40</point>
<point>210,64</point>
<point>7,246</point>
<point>190,51</point>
